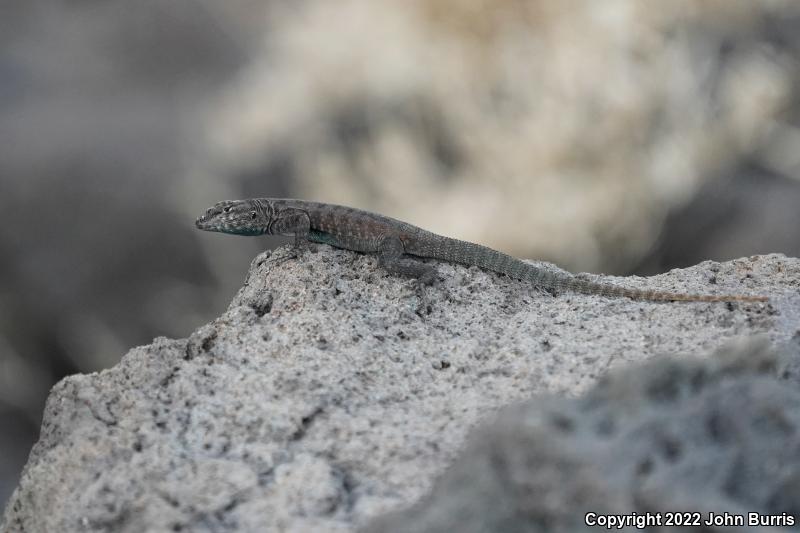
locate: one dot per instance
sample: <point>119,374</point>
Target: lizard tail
<point>602,289</point>
<point>468,253</point>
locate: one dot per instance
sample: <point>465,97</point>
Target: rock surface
<point>329,393</point>
<point>719,435</point>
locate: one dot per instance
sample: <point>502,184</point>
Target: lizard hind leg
<point>390,257</point>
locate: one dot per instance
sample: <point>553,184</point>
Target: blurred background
<point>619,137</point>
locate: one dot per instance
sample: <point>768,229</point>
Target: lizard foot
<point>288,255</point>
<point>425,306</point>
<point>300,249</point>
<point>424,284</point>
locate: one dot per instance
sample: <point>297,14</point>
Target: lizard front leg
<point>292,222</point>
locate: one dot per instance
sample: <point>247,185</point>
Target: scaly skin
<point>394,241</point>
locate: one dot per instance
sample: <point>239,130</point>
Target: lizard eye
<point>253,215</point>
<point>226,209</point>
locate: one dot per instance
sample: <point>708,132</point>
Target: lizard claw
<point>428,277</point>
<point>300,249</point>
<point>424,307</point>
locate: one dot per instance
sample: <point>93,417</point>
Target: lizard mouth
<point>203,223</point>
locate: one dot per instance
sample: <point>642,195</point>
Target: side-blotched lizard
<point>394,241</point>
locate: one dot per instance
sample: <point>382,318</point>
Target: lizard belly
<point>340,241</point>
<point>322,237</point>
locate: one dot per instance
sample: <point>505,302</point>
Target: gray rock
<point>719,435</point>
<point>328,393</point>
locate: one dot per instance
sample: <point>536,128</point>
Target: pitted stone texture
<point>720,435</point>
<point>329,393</point>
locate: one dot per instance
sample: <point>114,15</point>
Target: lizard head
<point>238,217</point>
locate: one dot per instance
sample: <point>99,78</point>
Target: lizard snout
<point>201,221</point>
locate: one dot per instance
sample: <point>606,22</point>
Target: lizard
<point>396,243</point>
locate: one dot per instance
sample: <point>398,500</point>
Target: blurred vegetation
<point>605,136</point>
